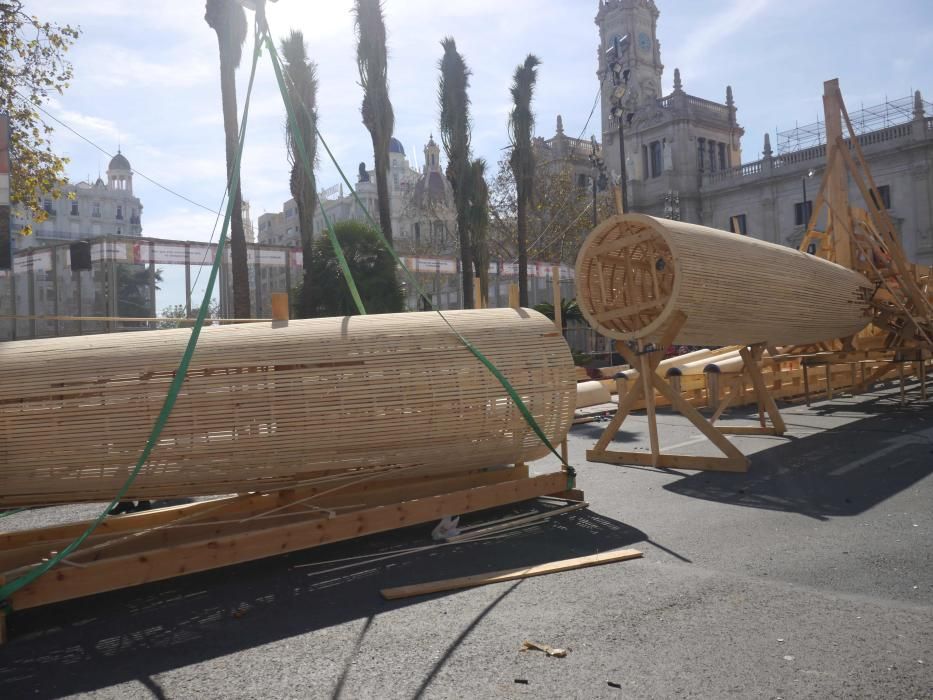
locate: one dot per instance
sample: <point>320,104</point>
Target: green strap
<point>309,171</point>
<point>16,584</point>
<point>513,394</point>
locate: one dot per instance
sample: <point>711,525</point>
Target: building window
<point>884,194</point>
<point>737,224</point>
<point>701,154</point>
<point>417,233</point>
<point>74,208</point>
<point>119,211</point>
<point>49,207</point>
<point>657,159</point>
<point>722,156</point>
<point>582,181</point>
<point>802,212</point>
<point>95,209</point>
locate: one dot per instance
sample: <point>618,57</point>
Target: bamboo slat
<point>264,406</point>
<point>634,272</point>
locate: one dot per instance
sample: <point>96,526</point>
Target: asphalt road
<point>811,576</point>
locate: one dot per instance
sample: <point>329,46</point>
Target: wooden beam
<point>189,557</point>
<point>667,461</point>
<point>752,357</point>
<point>452,584</point>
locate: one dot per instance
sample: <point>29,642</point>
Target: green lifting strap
<point>513,394</point>
<point>16,584</point>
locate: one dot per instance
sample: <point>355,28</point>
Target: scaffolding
<point>865,120</point>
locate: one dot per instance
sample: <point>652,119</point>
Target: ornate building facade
<point>87,210</point>
<point>422,205</point>
<point>683,153</point>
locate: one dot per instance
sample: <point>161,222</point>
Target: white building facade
<point>684,153</point>
<point>421,202</point>
<point>87,210</point>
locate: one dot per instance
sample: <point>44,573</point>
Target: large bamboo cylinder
<point>264,407</point>
<point>635,273</point>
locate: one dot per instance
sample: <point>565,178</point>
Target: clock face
<point>644,42</point>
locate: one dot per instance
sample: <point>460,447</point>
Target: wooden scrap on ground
<point>553,567</point>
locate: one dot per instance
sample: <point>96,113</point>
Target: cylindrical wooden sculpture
<point>636,272</point>
<point>265,407</point>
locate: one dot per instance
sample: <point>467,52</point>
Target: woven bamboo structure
<point>267,407</point>
<point>635,272</point>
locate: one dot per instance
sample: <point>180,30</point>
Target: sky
<point>147,79</point>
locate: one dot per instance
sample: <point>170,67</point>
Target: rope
<point>15,585</point>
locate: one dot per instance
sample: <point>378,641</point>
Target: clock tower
<point>638,20</point>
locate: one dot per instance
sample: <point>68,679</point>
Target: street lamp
<point>620,76</point>
<point>806,214</point>
<point>598,177</point>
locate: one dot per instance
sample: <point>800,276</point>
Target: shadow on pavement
<point>134,634</point>
<point>842,471</point>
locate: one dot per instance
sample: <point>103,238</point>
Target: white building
<point>684,153</point>
<point>422,206</point>
<point>98,209</point>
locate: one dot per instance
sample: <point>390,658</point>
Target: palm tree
<point>300,76</point>
<point>378,116</point>
<point>136,286</point>
<point>522,161</point>
<point>455,136</point>
<point>227,18</point>
<point>569,311</point>
<point>479,224</point>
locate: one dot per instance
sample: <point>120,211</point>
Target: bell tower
<point>641,56</point>
<point>432,155</point>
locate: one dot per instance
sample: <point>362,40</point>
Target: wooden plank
<point>752,357</point>
<point>647,371</point>
<point>124,534</point>
<point>668,461</point>
<point>158,564</point>
<point>452,584</point>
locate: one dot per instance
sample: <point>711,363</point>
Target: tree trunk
<point>305,226</point>
<point>522,249</point>
<point>241,300</point>
<point>466,257</point>
<point>382,191</point>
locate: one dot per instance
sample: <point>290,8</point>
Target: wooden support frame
<point>155,545</point>
<point>647,362</point>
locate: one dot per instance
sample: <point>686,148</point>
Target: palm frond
<point>228,19</point>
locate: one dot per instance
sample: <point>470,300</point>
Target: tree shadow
<point>135,634</point>
<point>842,471</point>
<point>594,431</point>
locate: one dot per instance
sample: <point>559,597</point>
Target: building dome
<point>119,162</point>
<point>432,189</point>
<point>395,146</point>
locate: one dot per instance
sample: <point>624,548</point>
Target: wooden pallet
<point>139,548</point>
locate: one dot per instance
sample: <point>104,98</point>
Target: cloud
<point>116,66</point>
<point>708,37</point>
<point>180,223</point>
